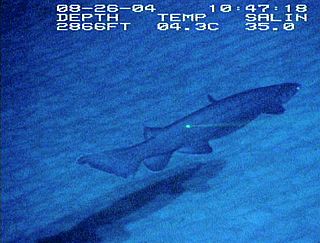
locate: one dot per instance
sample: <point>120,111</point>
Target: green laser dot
<point>188,126</point>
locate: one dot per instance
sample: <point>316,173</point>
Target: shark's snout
<point>296,87</point>
<point>290,86</point>
<point>287,91</point>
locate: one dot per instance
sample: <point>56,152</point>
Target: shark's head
<point>284,92</point>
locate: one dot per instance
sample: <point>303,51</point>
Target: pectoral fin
<point>199,148</point>
<point>275,110</point>
<point>157,163</point>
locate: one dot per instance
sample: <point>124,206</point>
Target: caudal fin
<point>118,162</point>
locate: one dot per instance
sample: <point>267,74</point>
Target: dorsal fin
<point>150,132</point>
<point>211,99</point>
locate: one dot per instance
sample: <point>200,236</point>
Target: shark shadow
<point>113,219</point>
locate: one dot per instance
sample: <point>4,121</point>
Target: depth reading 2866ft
<point>109,17</point>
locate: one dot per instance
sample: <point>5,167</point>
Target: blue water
<point>67,94</point>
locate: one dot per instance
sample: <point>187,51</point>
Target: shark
<point>191,134</point>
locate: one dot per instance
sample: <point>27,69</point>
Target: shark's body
<point>192,133</point>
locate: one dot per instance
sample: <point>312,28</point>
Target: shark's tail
<point>119,162</point>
